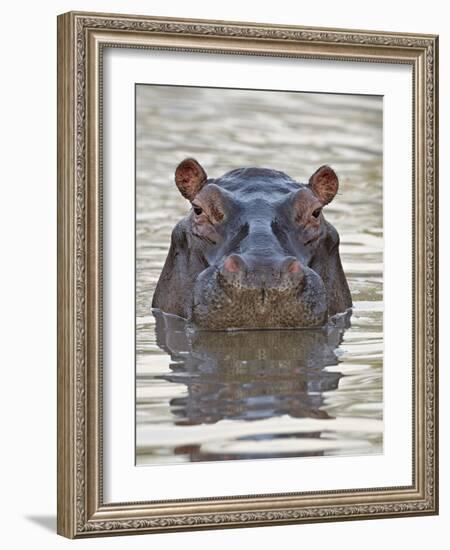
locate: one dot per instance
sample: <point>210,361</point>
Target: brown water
<point>259,394</point>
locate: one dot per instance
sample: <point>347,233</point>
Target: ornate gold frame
<point>81,38</point>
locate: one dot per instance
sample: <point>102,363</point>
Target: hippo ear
<point>324,183</point>
<point>190,178</point>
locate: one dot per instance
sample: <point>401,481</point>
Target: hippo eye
<point>317,212</point>
<point>197,209</point>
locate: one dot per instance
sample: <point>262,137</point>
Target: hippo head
<point>255,251</point>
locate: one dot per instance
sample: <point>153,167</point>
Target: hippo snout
<point>267,274</point>
<point>243,295</point>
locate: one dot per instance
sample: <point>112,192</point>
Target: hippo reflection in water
<point>249,375</point>
<point>254,252</point>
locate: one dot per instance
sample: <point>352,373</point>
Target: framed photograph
<point>247,283</point>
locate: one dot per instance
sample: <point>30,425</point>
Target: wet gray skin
<point>255,251</point>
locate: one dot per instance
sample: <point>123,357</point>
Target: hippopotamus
<point>254,252</point>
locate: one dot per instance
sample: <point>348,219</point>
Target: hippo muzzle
<point>239,296</point>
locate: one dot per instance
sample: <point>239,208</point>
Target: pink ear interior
<point>190,177</point>
<point>324,183</point>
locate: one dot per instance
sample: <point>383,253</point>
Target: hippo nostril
<point>291,265</point>
<point>294,267</point>
<point>234,264</point>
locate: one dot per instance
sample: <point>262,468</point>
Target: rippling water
<point>258,394</point>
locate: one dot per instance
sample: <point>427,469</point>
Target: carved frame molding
<point>81,39</point>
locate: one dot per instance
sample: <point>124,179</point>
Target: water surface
<point>259,394</point>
